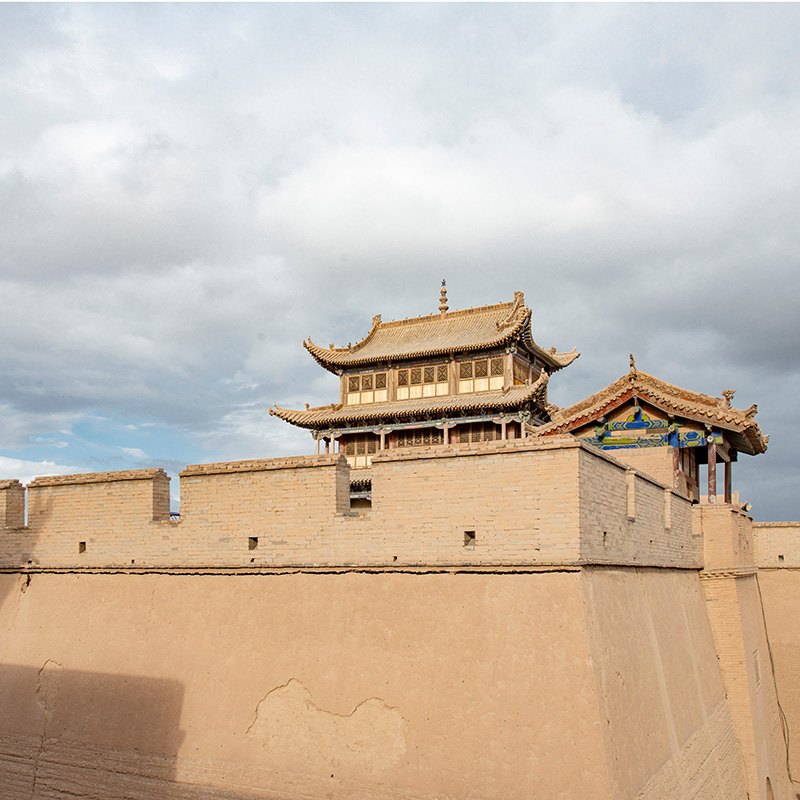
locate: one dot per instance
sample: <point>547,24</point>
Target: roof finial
<point>443,297</point>
<point>633,363</point>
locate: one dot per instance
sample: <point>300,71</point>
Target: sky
<point>189,191</point>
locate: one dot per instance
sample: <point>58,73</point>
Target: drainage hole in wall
<point>81,547</point>
<point>469,539</point>
<point>252,542</point>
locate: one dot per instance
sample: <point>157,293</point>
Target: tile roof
<point>703,408</point>
<point>516,398</point>
<point>472,329</point>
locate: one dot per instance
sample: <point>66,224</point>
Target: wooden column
<point>446,434</point>
<point>503,430</point>
<point>316,441</point>
<point>728,493</point>
<point>327,445</point>
<point>712,472</point>
<point>383,439</point>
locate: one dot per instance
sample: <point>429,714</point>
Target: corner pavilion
<point>639,412</point>
<point>444,379</point>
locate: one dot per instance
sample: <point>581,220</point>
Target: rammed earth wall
<point>512,503</point>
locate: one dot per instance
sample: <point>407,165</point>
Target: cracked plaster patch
<point>297,734</point>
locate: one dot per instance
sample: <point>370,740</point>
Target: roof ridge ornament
<point>519,301</point>
<point>728,395</point>
<point>443,297</point>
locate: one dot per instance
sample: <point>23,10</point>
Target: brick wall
<point>519,502</point>
<point>628,517</point>
<point>777,544</point>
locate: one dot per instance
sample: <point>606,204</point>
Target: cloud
<point>192,190</point>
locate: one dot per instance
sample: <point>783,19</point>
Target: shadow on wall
<point>66,733</point>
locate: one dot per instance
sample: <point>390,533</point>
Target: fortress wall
<point>777,544</point>
<point>655,526</point>
<point>503,503</point>
<point>735,612</point>
<point>594,682</point>
<point>727,535</point>
<point>297,686</point>
<point>666,723</point>
<point>780,593</point>
<point>520,500</point>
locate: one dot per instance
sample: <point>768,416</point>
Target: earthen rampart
<point>510,504</point>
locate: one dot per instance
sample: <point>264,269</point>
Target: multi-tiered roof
<point>491,332</point>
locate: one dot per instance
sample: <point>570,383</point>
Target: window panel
<point>366,381</point>
<point>353,384</point>
<point>380,380</point>
<point>441,373</point>
<point>416,375</point>
<point>497,366</point>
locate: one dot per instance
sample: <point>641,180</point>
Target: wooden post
<point>446,434</point>
<point>327,445</point>
<point>728,469</point>
<point>316,440</point>
<point>503,430</point>
<point>383,439</point>
<point>712,472</point>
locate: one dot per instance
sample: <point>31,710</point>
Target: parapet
<point>520,504</point>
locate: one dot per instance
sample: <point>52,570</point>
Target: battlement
<point>510,504</point>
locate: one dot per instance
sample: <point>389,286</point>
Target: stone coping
<point>776,524</point>
<point>97,477</point>
<point>8,483</point>
<point>262,465</point>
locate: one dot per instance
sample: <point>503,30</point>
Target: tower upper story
<point>470,365</point>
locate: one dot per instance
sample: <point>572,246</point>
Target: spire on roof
<point>443,297</point>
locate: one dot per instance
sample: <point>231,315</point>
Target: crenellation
<point>524,502</point>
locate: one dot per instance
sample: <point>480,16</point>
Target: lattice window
<point>359,448</point>
<point>474,376</point>
<point>422,381</point>
<point>419,437</point>
<point>474,432</point>
<point>369,387</point>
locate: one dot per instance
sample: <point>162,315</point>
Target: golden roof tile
<point>472,329</point>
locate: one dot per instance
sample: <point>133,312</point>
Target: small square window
<point>81,547</point>
<point>469,540</point>
<point>252,542</point>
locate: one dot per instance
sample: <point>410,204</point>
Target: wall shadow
<point>67,732</point>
